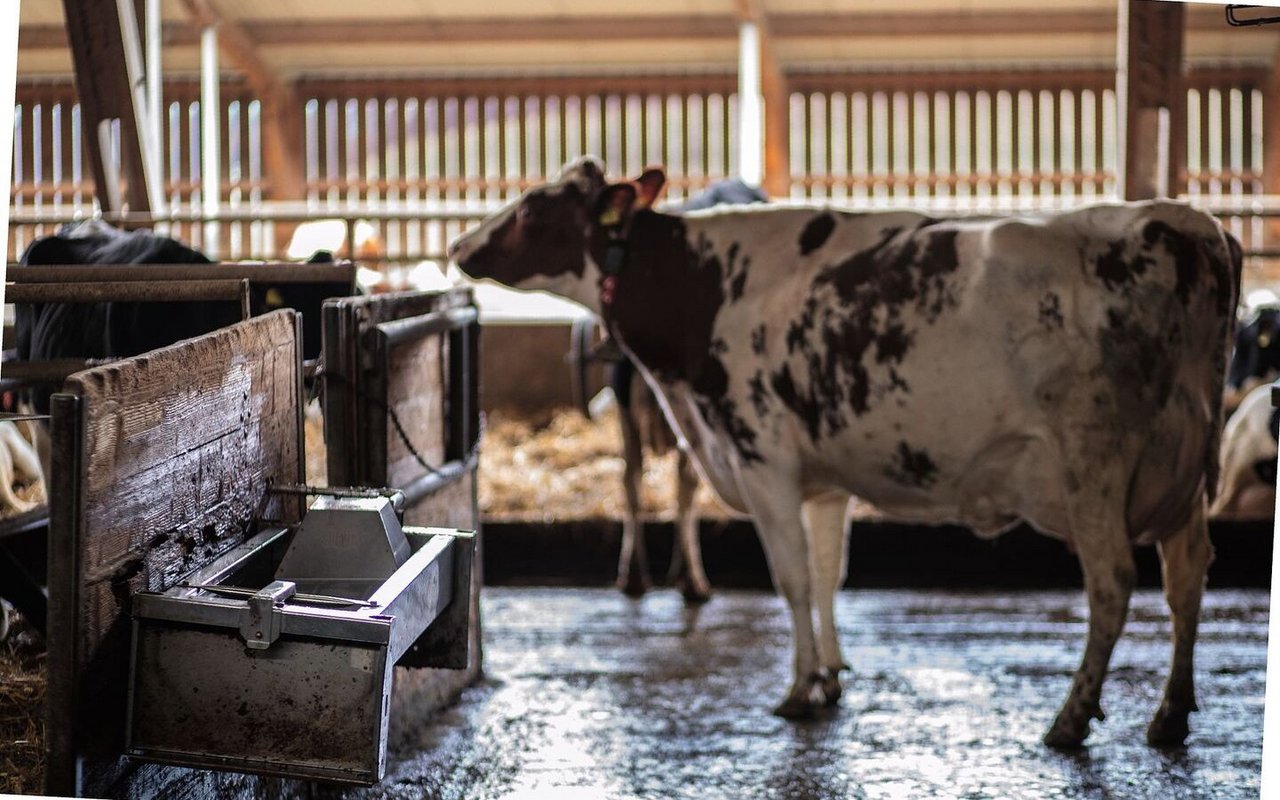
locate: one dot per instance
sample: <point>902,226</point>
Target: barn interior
<point>380,132</point>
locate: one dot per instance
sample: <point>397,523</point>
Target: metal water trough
<point>277,657</point>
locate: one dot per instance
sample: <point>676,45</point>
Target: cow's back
<point>920,363</point>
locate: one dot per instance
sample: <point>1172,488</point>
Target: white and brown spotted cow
<point>1063,369</point>
<point>1249,449</point>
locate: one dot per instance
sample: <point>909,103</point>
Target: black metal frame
<point>66,522</point>
<point>1237,22</point>
<point>357,369</point>
<point>357,424</point>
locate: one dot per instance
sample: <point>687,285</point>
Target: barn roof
<point>342,38</point>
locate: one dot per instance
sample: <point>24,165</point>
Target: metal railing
<point>1246,215</point>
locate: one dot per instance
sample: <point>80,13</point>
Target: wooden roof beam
<point>417,30</point>
<point>107,54</point>
<point>282,134</point>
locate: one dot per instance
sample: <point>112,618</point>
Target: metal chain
<point>324,375</point>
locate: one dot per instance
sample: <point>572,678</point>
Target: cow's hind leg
<point>824,521</point>
<point>687,573</point>
<point>776,510</point>
<point>1106,558</point>
<point>633,563</point>
<point>1184,560</point>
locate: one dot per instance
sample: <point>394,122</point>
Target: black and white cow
<point>1256,356</point>
<point>122,329</point>
<point>1249,450</point>
<point>1063,369</point>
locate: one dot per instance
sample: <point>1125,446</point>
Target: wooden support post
<point>107,56</point>
<point>1271,145</point>
<point>8,76</point>
<point>1152,99</point>
<point>777,99</point>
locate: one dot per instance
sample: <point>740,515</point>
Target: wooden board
<point>175,452</point>
<point>417,382</point>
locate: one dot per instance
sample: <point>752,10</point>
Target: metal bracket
<point>260,620</point>
<point>1237,22</point>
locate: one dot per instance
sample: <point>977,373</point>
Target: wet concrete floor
<point>590,695</point>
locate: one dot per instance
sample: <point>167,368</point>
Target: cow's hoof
<point>694,594</point>
<point>633,586</point>
<point>1168,728</point>
<point>1063,738</point>
<point>1068,731</point>
<point>831,689</point>
<point>796,708</point>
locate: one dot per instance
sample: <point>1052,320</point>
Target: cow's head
<point>553,237</point>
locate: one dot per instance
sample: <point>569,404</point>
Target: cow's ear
<point>614,204</point>
<point>649,186</point>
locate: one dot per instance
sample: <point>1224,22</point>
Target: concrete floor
<point>590,695</point>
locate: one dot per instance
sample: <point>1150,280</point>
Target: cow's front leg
<point>824,522</point>
<point>633,562</point>
<point>1184,559</point>
<point>687,573</point>
<point>775,508</point>
<point>1106,558</point>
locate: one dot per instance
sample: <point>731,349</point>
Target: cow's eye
<point>523,213</point>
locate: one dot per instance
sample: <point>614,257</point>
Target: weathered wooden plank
<point>179,447</point>
<point>416,391</point>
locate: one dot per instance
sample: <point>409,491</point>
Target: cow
<point>108,330</point>
<point>642,426</point>
<point>1256,356</point>
<point>1249,449</point>
<point>1064,369</point>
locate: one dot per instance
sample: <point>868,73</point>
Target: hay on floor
<point>22,689</point>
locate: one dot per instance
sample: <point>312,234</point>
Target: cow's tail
<point>1228,274</point>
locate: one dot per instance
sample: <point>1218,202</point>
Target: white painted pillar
<point>155,72</point>
<point>210,141</point>
<point>750,106</point>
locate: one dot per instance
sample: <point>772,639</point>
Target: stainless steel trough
<point>277,657</point>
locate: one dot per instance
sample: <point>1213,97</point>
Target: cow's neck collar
<point>617,250</point>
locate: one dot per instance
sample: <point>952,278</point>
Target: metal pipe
<point>256,273</point>
<point>210,119</point>
<point>404,330</point>
<point>427,485</point>
<point>1249,206</point>
<point>54,370</point>
<point>126,291</point>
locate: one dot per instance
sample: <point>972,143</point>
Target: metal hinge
<point>260,621</point>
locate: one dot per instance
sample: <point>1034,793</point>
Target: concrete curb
<point>881,554</point>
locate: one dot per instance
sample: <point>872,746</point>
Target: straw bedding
<point>22,686</point>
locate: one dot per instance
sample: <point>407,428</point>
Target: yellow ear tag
<point>274,298</point>
<point>610,217</point>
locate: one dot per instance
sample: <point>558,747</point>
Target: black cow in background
<point>124,329</point>
<point>109,329</point>
<point>1256,358</point>
<point>643,425</point>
